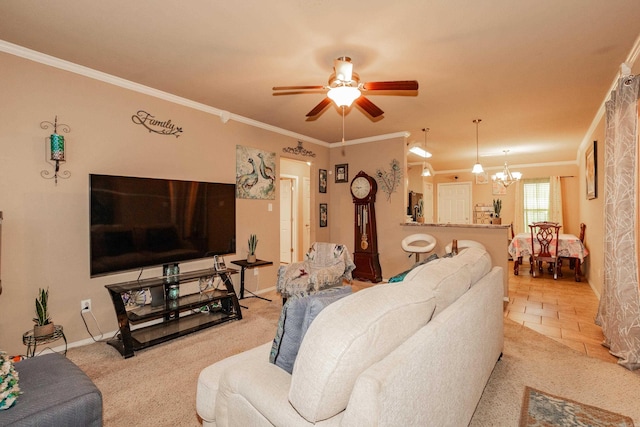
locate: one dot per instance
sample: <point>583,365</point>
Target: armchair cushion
<point>295,318</point>
<point>326,265</point>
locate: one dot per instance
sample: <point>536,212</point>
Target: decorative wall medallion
<point>388,181</point>
<point>299,150</point>
<point>255,173</point>
<point>154,125</point>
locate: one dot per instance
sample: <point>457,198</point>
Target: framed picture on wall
<point>482,178</point>
<point>342,173</point>
<point>591,170</point>
<point>322,180</point>
<point>323,214</point>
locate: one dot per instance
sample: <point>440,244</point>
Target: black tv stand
<point>174,317</point>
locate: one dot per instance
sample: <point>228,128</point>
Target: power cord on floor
<point>87,326</point>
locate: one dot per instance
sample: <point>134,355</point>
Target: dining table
<point>569,246</point>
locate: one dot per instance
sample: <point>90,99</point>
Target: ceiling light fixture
<point>343,92</point>
<point>343,96</point>
<point>506,177</point>
<point>427,170</point>
<point>419,151</point>
<point>477,168</point>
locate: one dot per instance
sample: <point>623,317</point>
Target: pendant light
<point>427,170</point>
<point>477,168</point>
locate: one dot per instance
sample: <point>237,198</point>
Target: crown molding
<point>632,57</point>
<point>402,134</point>
<point>71,67</point>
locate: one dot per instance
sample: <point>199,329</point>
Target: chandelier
<point>477,168</point>
<point>506,177</point>
<point>427,170</point>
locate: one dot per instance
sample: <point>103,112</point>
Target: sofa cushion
<point>349,336</point>
<point>478,260</point>
<point>400,277</point>
<point>449,278</point>
<point>296,316</point>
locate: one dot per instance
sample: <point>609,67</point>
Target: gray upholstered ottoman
<point>55,392</point>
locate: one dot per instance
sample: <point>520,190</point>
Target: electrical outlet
<point>85,305</point>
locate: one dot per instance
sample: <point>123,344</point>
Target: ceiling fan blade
<point>368,106</point>
<point>395,85</point>
<point>318,108</point>
<point>296,87</point>
<point>297,92</point>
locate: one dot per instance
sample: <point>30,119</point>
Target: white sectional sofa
<point>413,353</point>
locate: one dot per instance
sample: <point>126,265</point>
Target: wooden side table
<point>32,342</point>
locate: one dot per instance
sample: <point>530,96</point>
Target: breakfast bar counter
<point>494,237</point>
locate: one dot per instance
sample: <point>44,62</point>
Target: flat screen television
<point>144,222</point>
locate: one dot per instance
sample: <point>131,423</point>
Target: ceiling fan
<point>344,88</point>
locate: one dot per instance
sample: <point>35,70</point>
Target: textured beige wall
<point>389,211</point>
<point>592,214</point>
<point>46,227</point>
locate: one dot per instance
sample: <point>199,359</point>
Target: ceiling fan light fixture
<point>344,96</point>
<point>343,68</point>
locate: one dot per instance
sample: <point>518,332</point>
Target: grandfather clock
<point>365,256</point>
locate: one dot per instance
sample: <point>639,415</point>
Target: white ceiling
<point>536,73</point>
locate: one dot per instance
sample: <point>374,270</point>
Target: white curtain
<point>553,205</point>
<point>555,201</point>
<point>518,220</point>
<point>619,310</point>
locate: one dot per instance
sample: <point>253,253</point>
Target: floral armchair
<point>325,266</point>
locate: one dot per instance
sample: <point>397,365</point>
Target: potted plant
<point>43,324</point>
<point>497,207</point>
<point>253,242</point>
<point>420,217</point>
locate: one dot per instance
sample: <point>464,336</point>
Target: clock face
<point>360,187</point>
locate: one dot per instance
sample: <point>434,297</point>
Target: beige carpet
<point>157,387</point>
<point>533,360</point>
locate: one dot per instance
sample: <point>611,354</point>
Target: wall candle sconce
<point>54,150</point>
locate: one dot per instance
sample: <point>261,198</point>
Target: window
<point>536,201</point>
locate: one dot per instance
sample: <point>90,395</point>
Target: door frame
<point>295,206</point>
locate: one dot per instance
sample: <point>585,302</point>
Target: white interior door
<point>286,220</point>
<point>454,203</point>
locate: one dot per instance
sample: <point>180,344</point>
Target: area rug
<point>540,409</point>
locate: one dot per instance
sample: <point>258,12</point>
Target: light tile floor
<point>562,309</point>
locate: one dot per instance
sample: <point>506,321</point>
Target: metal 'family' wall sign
<point>154,125</point>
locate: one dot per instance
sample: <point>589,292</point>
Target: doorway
<point>295,210</point>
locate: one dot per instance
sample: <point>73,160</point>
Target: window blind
<point>536,201</point>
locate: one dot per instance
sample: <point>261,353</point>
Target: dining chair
<point>511,237</point>
<point>546,234</point>
<point>572,261</point>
